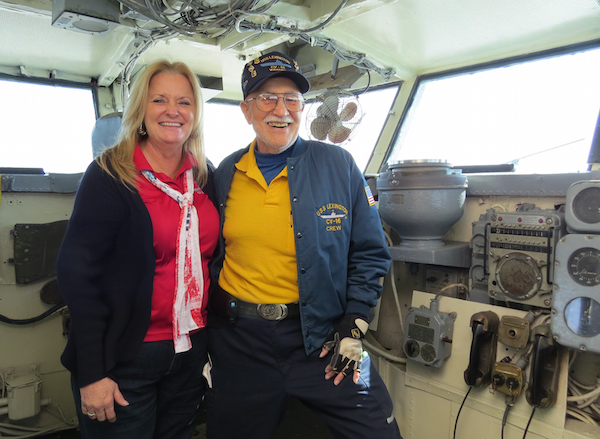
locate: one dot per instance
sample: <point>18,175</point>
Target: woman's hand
<point>98,400</point>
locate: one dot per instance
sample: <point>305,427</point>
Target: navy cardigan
<point>105,270</point>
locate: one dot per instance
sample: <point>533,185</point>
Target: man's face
<point>277,129</point>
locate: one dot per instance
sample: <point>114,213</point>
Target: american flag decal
<point>369,196</point>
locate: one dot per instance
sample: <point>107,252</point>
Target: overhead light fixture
<point>87,16</point>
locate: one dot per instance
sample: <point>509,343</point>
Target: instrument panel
<point>513,255</point>
<point>575,309</point>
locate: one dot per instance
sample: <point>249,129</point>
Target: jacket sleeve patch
<point>370,198</point>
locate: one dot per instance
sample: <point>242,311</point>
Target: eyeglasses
<point>266,102</point>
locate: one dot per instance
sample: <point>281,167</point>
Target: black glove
<point>346,343</point>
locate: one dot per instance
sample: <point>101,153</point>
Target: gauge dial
<point>584,266</point>
<point>582,316</point>
<point>586,205</point>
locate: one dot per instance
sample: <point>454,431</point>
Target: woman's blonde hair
<point>118,159</point>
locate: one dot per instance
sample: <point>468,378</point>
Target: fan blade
<point>329,107</point>
<point>325,111</point>
<point>349,111</point>
<point>339,134</point>
<point>321,110</point>
<point>320,127</point>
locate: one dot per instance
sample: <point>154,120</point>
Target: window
<point>46,127</point>
<point>225,130</point>
<point>539,115</point>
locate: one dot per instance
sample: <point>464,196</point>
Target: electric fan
<point>334,117</point>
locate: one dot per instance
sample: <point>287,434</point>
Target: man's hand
<point>98,400</point>
<point>346,343</point>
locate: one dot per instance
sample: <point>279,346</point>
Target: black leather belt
<point>229,306</point>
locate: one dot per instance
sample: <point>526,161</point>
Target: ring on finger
<point>91,415</point>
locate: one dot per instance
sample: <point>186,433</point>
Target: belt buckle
<point>272,311</point>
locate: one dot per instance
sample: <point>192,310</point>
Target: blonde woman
<point>133,267</point>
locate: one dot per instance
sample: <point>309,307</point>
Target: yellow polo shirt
<point>260,252</point>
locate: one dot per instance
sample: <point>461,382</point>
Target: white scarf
<point>189,279</point>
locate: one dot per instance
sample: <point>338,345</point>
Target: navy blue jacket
<point>340,245</point>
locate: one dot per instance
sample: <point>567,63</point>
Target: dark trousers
<point>260,365</point>
<point>163,389</point>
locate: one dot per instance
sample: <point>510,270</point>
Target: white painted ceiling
<point>411,37</point>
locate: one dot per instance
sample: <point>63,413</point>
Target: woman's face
<point>170,111</point>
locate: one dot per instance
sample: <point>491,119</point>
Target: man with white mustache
<point>296,275</point>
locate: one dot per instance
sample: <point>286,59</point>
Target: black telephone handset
<point>483,348</point>
<point>543,375</point>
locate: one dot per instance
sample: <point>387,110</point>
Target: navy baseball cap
<point>267,66</point>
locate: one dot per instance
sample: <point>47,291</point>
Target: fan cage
<point>334,117</point>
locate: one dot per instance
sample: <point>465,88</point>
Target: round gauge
<point>428,353</point>
<point>584,266</point>
<point>582,316</point>
<point>586,205</point>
